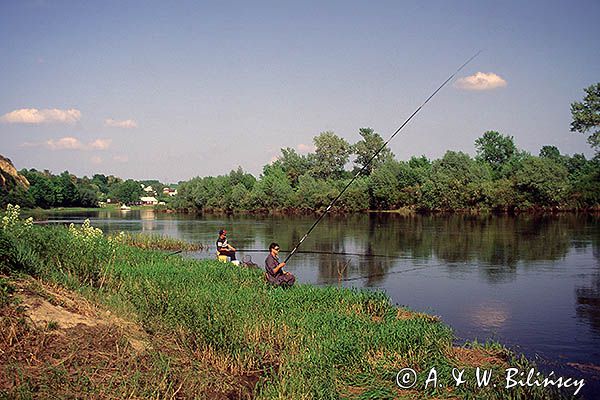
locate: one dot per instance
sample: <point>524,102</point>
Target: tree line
<point>500,177</point>
<point>47,190</point>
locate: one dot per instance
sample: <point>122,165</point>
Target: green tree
<point>65,190</point>
<point>456,182</point>
<point>239,176</point>
<point>384,186</point>
<point>331,155</point>
<point>273,190</point>
<point>552,153</point>
<point>41,189</point>
<point>495,149</point>
<point>127,192</point>
<point>541,182</point>
<point>586,115</point>
<point>367,147</point>
<point>293,164</point>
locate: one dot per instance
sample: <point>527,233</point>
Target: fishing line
<point>357,278</point>
<point>376,154</point>
<point>333,253</point>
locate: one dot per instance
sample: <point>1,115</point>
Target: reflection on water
<point>532,282</point>
<point>490,315</point>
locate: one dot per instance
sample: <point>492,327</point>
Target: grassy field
<point>213,330</point>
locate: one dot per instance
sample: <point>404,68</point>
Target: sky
<point>174,90</point>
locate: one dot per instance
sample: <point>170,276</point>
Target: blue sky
<point>173,90</point>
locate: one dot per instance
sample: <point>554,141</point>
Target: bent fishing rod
<point>376,154</point>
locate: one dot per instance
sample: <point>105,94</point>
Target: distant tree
<point>293,164</point>
<point>314,194</point>
<point>127,192</point>
<point>541,182</point>
<point>41,189</point>
<point>576,163</point>
<point>551,152</point>
<point>455,182</point>
<point>331,155</point>
<point>384,186</point>
<point>273,190</point>
<point>65,189</point>
<point>87,197</point>
<point>365,149</point>
<point>586,115</point>
<point>239,176</point>
<point>495,149</point>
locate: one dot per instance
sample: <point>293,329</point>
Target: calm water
<point>530,282</point>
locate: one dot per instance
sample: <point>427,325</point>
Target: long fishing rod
<point>376,154</point>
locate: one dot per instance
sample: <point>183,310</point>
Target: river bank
<point>320,342</point>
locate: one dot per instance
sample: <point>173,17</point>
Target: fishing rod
<point>376,154</point>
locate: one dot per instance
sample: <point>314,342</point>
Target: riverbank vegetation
<point>190,328</point>
<point>500,177</point>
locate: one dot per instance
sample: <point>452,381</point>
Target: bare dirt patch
<point>56,344</point>
<point>477,357</point>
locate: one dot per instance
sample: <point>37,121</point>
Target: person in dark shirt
<point>224,248</point>
<point>275,273</point>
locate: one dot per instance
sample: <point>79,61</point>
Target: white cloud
<point>96,160</point>
<point>100,144</point>
<point>480,81</point>
<point>126,124</point>
<point>305,148</point>
<point>34,116</point>
<point>71,143</point>
<point>65,143</point>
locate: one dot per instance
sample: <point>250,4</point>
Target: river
<point>530,282</point>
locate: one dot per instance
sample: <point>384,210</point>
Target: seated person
<point>275,273</point>
<point>224,248</point>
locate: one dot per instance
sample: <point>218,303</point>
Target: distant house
<point>148,201</point>
<point>148,189</point>
<point>169,192</point>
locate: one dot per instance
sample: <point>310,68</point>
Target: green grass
<point>303,342</point>
<point>155,242</point>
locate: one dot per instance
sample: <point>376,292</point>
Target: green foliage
<point>365,149</point>
<point>314,194</point>
<point>586,115</point>
<point>127,192</point>
<point>272,191</point>
<point>293,164</point>
<point>356,197</point>
<point>541,182</point>
<point>495,149</point>
<point>15,255</point>
<point>331,155</point>
<point>456,182</point>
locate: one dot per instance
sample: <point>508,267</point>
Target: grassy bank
<point>218,331</point>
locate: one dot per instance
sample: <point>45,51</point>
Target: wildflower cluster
<point>11,221</point>
<point>86,231</point>
<point>121,238</point>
